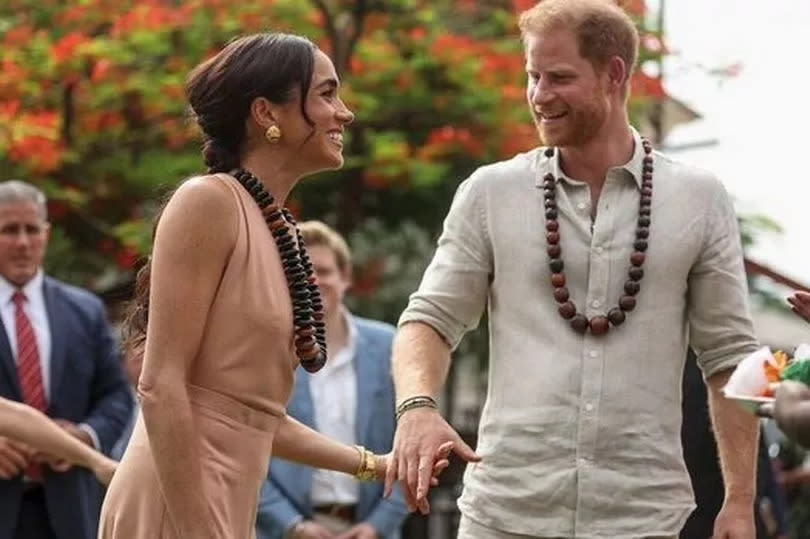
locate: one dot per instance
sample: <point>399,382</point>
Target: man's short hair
<point>603,29</point>
<point>12,191</point>
<point>318,233</point>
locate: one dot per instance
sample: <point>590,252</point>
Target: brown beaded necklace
<point>310,331</point>
<point>600,324</point>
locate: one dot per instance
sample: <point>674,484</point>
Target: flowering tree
<point>92,110</point>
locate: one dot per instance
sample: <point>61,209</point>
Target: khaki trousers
<point>470,529</point>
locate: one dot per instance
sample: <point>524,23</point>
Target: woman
<point>34,429</point>
<point>232,306</point>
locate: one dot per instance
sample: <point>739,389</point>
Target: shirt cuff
<point>92,433</point>
<point>290,531</point>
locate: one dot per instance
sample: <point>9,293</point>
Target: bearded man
<point>599,261</point>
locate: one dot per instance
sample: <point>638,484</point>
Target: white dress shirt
<point>334,397</point>
<point>35,308</point>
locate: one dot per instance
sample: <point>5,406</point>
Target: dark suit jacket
<point>87,386</point>
<point>286,493</point>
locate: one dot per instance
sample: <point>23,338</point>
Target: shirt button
<point>589,407</point>
<point>596,303</point>
<point>583,461</point>
<point>599,250</point>
<point>582,206</point>
<point>593,353</point>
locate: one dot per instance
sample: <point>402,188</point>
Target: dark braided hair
<point>220,91</point>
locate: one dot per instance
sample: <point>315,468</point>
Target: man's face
<point>566,94</point>
<point>23,237</point>
<point>332,282</point>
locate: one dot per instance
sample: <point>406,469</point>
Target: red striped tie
<point>28,367</point>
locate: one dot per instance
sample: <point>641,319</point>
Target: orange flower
<point>773,370</point>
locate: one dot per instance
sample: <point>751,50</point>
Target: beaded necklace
<point>599,324</point>
<point>310,331</point>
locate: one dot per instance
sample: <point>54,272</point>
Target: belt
<point>342,511</point>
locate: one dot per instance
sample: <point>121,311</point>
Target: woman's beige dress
<point>237,386</point>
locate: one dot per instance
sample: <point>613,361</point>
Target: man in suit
<point>352,400</point>
<point>57,354</point>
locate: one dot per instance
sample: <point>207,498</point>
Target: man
<point>58,355</point>
<point>352,400</point>
<point>580,433</point>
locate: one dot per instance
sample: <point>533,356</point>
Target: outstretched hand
<point>423,440</point>
<point>800,304</point>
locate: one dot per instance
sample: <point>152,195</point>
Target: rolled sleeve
<point>453,291</point>
<point>721,330</point>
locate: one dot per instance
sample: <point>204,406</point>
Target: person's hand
<point>420,435</point>
<point>14,457</point>
<point>800,304</point>
<point>735,521</point>
<point>308,529</point>
<point>363,530</point>
<point>791,408</point>
<point>385,462</point>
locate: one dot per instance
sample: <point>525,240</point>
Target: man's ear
<point>617,72</point>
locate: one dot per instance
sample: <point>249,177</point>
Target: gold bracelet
<point>367,469</point>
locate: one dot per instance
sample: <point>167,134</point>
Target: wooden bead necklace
<point>600,324</point>
<point>310,331</point>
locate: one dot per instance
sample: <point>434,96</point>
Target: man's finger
<point>390,474</point>
<point>425,471</point>
<point>402,474</point>
<point>15,456</point>
<point>464,451</point>
<point>412,478</point>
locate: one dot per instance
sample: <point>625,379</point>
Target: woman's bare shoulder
<point>202,206</point>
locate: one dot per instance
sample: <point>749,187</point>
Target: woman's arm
<point>30,426</point>
<point>298,443</point>
<point>194,238</point>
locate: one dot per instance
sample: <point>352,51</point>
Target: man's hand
<point>14,457</point>
<point>791,410</point>
<point>308,529</point>
<point>420,435</point>
<point>735,521</point>
<point>363,530</point>
<point>800,304</point>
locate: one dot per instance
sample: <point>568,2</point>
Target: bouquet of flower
<point>754,380</point>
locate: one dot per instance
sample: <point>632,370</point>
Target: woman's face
<point>319,144</point>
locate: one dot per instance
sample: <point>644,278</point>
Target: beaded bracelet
<point>418,401</point>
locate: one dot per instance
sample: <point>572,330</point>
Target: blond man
<point>599,261</point>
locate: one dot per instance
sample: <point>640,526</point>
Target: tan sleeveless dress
<point>241,377</point>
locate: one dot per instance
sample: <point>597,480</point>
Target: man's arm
<point>449,302</point>
<point>737,435</point>
<point>722,334</point>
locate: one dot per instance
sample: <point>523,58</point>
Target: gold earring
<point>273,134</point>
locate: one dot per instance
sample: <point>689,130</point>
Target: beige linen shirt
<point>580,435</point>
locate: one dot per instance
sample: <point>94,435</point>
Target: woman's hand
<point>800,304</point>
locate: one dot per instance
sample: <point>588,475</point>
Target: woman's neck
<point>271,170</point>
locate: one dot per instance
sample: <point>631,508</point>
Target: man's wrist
<point>293,529</point>
<point>414,402</point>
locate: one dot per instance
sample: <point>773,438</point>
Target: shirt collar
<point>30,288</point>
<point>633,167</point>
